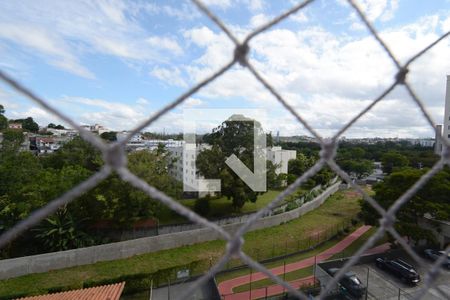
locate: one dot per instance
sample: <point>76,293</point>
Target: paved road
<point>226,287</point>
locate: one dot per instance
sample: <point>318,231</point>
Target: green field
<point>219,207</point>
<point>278,240</point>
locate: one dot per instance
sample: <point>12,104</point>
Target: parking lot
<point>383,285</point>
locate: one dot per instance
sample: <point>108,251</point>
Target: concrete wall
<point>58,260</point>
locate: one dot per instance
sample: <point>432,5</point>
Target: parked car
<point>434,255</point>
<point>350,283</point>
<point>400,269</point>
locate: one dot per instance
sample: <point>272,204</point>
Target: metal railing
<point>115,159</point>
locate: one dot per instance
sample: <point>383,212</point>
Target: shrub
<point>202,206</point>
<point>291,206</point>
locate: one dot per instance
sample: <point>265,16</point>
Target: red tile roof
<point>104,292</point>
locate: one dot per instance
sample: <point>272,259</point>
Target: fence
<point>309,285</point>
<point>315,193</point>
<point>115,158</point>
<point>58,260</point>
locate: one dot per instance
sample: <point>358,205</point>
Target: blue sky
<point>117,62</point>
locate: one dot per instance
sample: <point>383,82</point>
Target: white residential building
<point>62,132</point>
<point>134,139</point>
<point>280,158</point>
<point>446,124</point>
<point>184,168</point>
<point>444,129</point>
<point>95,128</point>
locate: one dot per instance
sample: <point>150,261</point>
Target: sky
<point>116,63</point>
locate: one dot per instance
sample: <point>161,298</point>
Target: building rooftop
<point>104,292</point>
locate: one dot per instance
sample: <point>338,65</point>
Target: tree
<point>3,122</point>
<point>202,205</point>
<point>109,136</point>
<point>431,199</point>
<point>62,232</point>
<point>118,201</point>
<point>77,152</point>
<point>274,180</point>
<point>360,168</point>
<point>3,119</point>
<point>12,139</point>
<point>28,124</point>
<point>392,160</point>
<point>233,136</point>
<point>300,164</point>
<point>51,125</point>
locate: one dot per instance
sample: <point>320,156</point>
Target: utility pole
<point>367,283</point>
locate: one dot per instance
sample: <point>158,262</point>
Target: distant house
<point>44,144</point>
<point>103,292</point>
<point>15,125</point>
<point>62,132</point>
<point>99,129</point>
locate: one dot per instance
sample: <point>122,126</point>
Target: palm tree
<point>61,232</point>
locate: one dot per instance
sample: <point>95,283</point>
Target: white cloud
<point>299,17</point>
<point>64,31</point>
<point>170,76</point>
<point>165,43</point>
<point>223,4</point>
<point>191,102</point>
<point>374,10</point>
<point>39,115</point>
<point>113,115</point>
<point>258,20</point>
<point>142,101</point>
<point>57,50</point>
<point>256,5</point>
<point>330,78</point>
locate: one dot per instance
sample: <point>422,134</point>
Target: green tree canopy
<point>109,136</point>
<point>393,160</point>
<point>52,125</point>
<point>233,136</point>
<point>360,168</point>
<point>433,199</point>
<point>28,124</point>
<point>3,119</point>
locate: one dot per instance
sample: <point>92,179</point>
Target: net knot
<point>401,75</point>
<point>115,157</point>
<point>387,221</point>
<point>241,53</point>
<point>328,151</point>
<point>234,246</point>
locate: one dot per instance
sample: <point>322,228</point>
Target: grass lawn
<point>339,208</point>
<point>220,207</point>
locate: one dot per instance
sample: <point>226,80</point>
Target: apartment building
<point>184,169</point>
<point>280,158</point>
<point>444,129</point>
